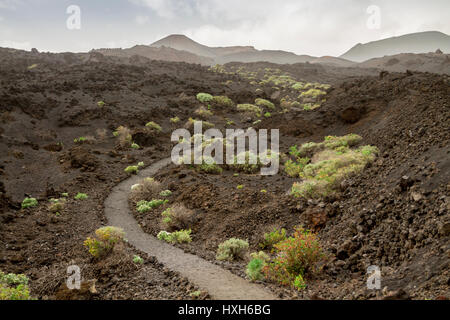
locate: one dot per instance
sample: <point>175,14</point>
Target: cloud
<point>141,20</point>
<point>15,44</point>
<point>10,4</point>
<point>166,8</point>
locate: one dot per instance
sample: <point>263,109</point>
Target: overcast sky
<point>315,27</point>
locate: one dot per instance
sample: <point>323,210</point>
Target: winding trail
<point>219,283</point>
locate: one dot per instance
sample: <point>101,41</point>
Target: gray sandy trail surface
<point>218,282</point>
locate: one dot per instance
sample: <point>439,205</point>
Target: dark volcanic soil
<point>394,215</point>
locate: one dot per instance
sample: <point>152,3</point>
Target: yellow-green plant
<point>104,241</point>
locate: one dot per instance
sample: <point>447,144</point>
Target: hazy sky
<point>315,27</point>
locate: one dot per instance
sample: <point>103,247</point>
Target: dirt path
<point>220,284</point>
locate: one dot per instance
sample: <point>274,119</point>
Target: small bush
<point>264,103</point>
<point>267,114</point>
<point>14,287</point>
<point>141,164</point>
<point>81,196</point>
<point>222,102</point>
<point>272,238</point>
<point>250,108</point>
<point>254,269</point>
<point>104,241</point>
<point>182,236</point>
<point>295,256</point>
<point>232,249</point>
<point>124,136</point>
<point>80,140</point>
<point>240,187</point>
<point>29,203</point>
<point>174,120</point>
<point>177,217</point>
<point>138,260</point>
<point>57,205</point>
<point>147,189</point>
<point>165,193</point>
<point>145,206</point>
<point>210,168</point>
<point>132,170</point>
<point>204,97</point>
<point>101,104</point>
<point>203,113</point>
<point>154,126</point>
<point>135,146</point>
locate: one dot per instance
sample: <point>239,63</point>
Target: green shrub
<point>240,187</point>
<point>272,238</point>
<point>182,236</point>
<point>250,108</point>
<point>204,97</point>
<point>177,217</point>
<point>29,203</point>
<point>145,206</point>
<point>57,205</point>
<point>232,249</point>
<point>80,140</point>
<point>165,193</point>
<point>203,112</point>
<point>222,102</point>
<point>154,126</point>
<point>138,260</point>
<point>312,93</point>
<point>132,169</point>
<point>254,269</point>
<point>267,114</point>
<point>295,168</point>
<point>135,146</point>
<point>211,168</point>
<point>298,255</point>
<point>264,103</point>
<point>299,283</point>
<point>101,104</point>
<point>141,164</point>
<point>104,241</point>
<point>174,120</point>
<point>14,287</point>
<point>81,196</point>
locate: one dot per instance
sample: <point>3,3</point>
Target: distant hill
<point>223,55</point>
<point>423,62</point>
<point>422,42</point>
<point>154,53</point>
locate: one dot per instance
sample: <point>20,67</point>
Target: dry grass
<point>177,217</point>
<point>147,189</point>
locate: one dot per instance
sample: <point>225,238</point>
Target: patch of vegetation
<point>80,140</point>
<point>165,193</point>
<point>132,169</point>
<point>240,187</point>
<point>154,126</point>
<point>182,236</point>
<point>232,249</point>
<point>254,270</point>
<point>250,108</point>
<point>333,161</point>
<point>310,106</point>
<point>29,203</point>
<point>267,114</point>
<point>138,260</point>
<point>144,206</point>
<point>314,93</point>
<point>296,256</point>
<point>14,287</point>
<point>57,205</point>
<point>124,136</point>
<point>204,97</point>
<point>272,238</point>
<point>174,120</point>
<point>104,241</point>
<point>135,146</point>
<point>203,112</point>
<point>101,104</point>
<point>222,102</point>
<point>81,196</point>
<point>148,188</point>
<point>177,217</point>
<point>264,103</point>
